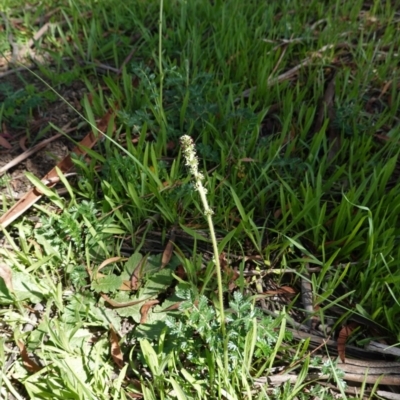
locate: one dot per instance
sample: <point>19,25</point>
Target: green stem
<point>208,214</point>
<point>160,67</point>
<point>162,119</point>
<point>189,152</point>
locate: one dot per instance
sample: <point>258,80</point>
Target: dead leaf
<point>171,145</point>
<point>5,143</point>
<point>137,274</point>
<point>110,260</point>
<point>282,291</point>
<point>51,179</point>
<point>22,143</point>
<point>344,333</point>
<point>169,249</point>
<point>148,223</point>
<point>327,110</point>
<point>287,290</point>
<point>385,88</point>
<point>29,364</point>
<point>231,273</point>
<point>173,307</point>
<point>279,211</point>
<point>325,105</point>
<point>135,395</point>
<point>384,138</point>
<point>180,272</point>
<point>116,352</point>
<point>6,275</point>
<point>115,304</point>
<point>126,286</point>
<point>145,310</point>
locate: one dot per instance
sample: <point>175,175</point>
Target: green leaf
<point>51,194</point>
<point>108,284</point>
<point>180,395</point>
<point>150,356</point>
<point>6,296</point>
<point>239,205</point>
<point>27,288</point>
<point>194,234</point>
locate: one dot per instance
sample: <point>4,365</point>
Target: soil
<point>22,138</point>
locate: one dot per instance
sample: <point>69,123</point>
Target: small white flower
<point>189,152</point>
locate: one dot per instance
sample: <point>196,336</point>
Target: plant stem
<point>160,67</point>
<point>192,162</point>
<point>216,256</point>
<point>162,120</point>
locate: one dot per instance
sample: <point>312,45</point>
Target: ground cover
<point>108,277</point>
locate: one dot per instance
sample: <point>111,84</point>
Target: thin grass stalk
<point>160,67</point>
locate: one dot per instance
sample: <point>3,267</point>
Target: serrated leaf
<point>108,284</point>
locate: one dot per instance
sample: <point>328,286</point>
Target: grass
<point>309,201</point>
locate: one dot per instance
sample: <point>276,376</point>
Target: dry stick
<point>42,31</point>
<point>38,20</point>
<point>276,380</point>
<point>64,165</point>
<point>307,298</point>
<point>388,395</point>
<point>37,35</point>
<point>293,71</point>
<point>286,75</point>
<point>291,366</point>
<point>115,304</point>
<point>278,63</point>
<point>12,71</point>
<point>127,59</point>
<point>31,42</point>
<point>28,153</point>
<point>386,373</point>
<point>34,149</point>
<point>27,48</point>
<point>118,71</point>
<point>315,340</point>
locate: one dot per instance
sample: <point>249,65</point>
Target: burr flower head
<point>189,152</point>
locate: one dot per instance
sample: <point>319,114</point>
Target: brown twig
<point>34,149</point>
<point>293,71</point>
